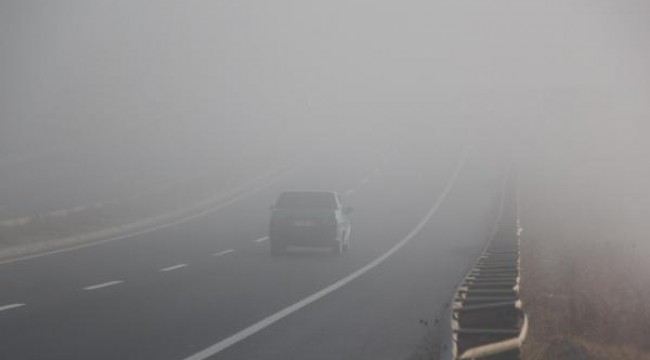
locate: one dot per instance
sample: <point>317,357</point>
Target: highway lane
<point>390,312</point>
<point>147,313</point>
<point>234,225</point>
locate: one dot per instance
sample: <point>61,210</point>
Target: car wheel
<point>348,243</point>
<point>337,249</point>
<point>278,248</point>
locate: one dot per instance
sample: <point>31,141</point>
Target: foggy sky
<point>209,75</point>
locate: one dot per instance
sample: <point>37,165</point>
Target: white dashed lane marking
<point>262,239</point>
<point>103,285</point>
<point>175,267</point>
<point>221,253</point>
<point>9,307</point>
<point>223,344</point>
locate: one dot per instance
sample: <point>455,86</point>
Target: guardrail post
<point>486,316</point>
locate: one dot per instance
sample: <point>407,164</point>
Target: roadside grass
<point>576,348</point>
<point>585,257</point>
<point>622,352</point>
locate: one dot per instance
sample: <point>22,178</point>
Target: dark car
<point>309,219</point>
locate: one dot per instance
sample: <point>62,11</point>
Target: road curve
<point>173,293</point>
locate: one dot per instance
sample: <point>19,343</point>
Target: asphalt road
<point>175,292</point>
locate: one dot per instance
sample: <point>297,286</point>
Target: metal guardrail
<point>486,315</point>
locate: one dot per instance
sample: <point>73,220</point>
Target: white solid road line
<point>9,307</point>
<point>103,285</point>
<point>243,334</point>
<point>223,252</point>
<point>262,239</point>
<point>173,267</point>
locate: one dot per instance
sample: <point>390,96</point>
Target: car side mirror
<point>348,210</point>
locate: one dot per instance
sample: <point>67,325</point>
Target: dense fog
<point>144,146</point>
<point>168,75</point>
<point>166,83</point>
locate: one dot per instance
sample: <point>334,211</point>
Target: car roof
<point>308,192</point>
<point>318,199</point>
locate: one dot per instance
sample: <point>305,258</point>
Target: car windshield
<point>312,200</point>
